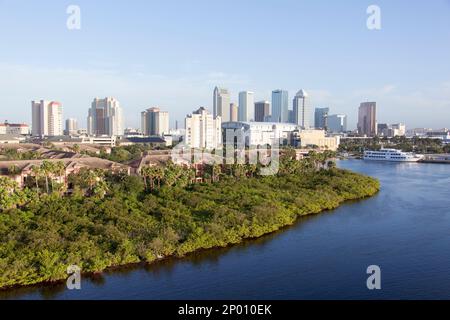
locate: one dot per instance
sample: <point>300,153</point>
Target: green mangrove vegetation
<point>115,219</point>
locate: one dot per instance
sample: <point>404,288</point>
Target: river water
<point>405,230</point>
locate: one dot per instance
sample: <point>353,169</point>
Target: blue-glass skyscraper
<point>280,106</point>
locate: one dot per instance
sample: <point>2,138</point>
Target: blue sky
<point>172,54</point>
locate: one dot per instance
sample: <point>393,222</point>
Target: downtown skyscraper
<point>280,106</point>
<point>154,122</point>
<point>321,118</point>
<point>246,106</point>
<point>262,111</point>
<point>221,104</point>
<point>105,118</point>
<point>47,118</point>
<point>367,119</point>
<point>302,110</point>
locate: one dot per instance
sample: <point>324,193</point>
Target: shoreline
<point>113,268</point>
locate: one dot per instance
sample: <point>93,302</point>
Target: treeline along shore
<point>113,219</point>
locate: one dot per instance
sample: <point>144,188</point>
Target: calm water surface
<point>405,230</point>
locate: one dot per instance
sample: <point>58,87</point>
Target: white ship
<point>392,155</point>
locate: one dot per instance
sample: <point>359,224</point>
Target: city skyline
<point>311,114</point>
<point>356,64</point>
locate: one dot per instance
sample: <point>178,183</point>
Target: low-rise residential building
<point>94,140</point>
<point>14,128</point>
<point>315,138</point>
<point>155,141</point>
<point>21,171</point>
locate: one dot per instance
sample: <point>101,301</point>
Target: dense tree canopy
<point>115,219</point>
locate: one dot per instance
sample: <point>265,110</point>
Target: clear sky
<point>172,53</point>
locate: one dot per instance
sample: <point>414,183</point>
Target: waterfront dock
<point>436,158</point>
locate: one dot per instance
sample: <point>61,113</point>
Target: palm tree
<point>60,170</point>
<point>36,172</point>
<point>159,175</point>
<point>47,170</point>
<point>144,174</point>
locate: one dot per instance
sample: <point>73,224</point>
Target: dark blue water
<point>405,230</point>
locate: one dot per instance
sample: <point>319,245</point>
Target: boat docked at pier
<point>391,155</point>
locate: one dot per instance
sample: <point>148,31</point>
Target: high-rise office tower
<point>47,118</point>
<point>367,119</point>
<point>221,104</point>
<point>291,118</point>
<point>154,122</point>
<point>105,117</point>
<point>302,110</point>
<point>71,127</point>
<point>337,123</point>
<point>246,106</point>
<point>262,110</point>
<point>320,118</point>
<point>203,130</point>
<point>234,109</point>
<point>280,106</point>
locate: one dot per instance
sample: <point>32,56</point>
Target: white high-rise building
<point>47,118</point>
<point>302,110</point>
<point>221,104</point>
<point>246,106</point>
<point>105,118</point>
<point>203,130</point>
<point>154,122</point>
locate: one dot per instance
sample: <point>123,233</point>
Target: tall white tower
<point>302,110</point>
<point>47,118</point>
